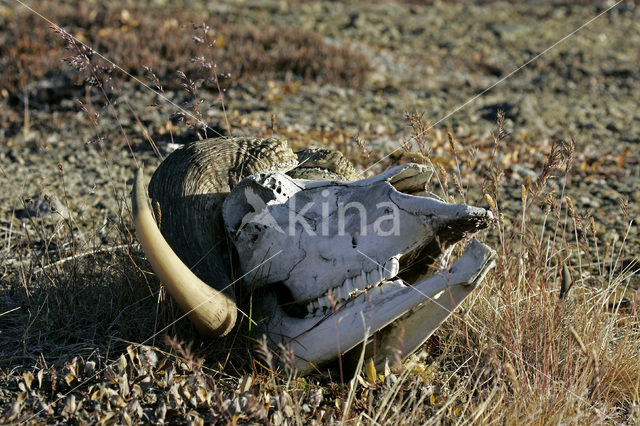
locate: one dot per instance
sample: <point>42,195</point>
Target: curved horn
<point>192,255</point>
<point>212,312</point>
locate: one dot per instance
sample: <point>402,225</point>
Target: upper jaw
<point>326,261</point>
<point>385,276</point>
<point>406,258</point>
<point>381,276</point>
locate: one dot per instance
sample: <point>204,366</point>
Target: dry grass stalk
<point>570,358</point>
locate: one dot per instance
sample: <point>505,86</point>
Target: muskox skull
<point>333,260</point>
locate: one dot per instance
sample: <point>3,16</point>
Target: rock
<point>508,31</point>
<point>589,202</point>
<point>47,207</point>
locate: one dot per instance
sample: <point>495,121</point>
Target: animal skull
<point>334,260</point>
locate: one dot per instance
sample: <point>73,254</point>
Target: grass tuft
<point>88,334</point>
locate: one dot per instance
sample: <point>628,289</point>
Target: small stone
<point>589,202</point>
<point>47,207</point>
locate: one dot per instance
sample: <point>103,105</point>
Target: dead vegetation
<point>552,336</point>
<point>162,39</point>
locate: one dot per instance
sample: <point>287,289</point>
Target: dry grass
<point>517,352</point>
<point>551,336</point>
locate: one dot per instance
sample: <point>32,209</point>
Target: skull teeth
<point>359,282</point>
<point>324,302</point>
<point>374,276</point>
<point>348,286</point>
<point>379,280</point>
<point>389,286</point>
<point>391,268</point>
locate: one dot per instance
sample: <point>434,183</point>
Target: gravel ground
<point>458,64</point>
<point>434,59</point>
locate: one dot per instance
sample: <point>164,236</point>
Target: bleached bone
<point>418,309</point>
<point>345,237</point>
<point>323,253</point>
<point>331,231</point>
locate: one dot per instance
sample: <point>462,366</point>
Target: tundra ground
<point>86,332</point>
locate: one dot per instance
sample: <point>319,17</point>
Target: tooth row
<point>356,285</point>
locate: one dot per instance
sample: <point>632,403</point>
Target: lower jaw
<point>419,309</point>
